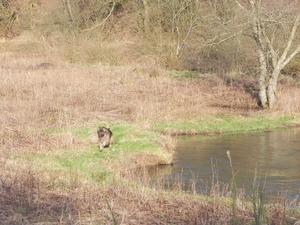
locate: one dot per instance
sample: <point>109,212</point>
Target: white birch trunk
<point>268,76</point>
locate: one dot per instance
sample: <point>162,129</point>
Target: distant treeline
<point>207,36</point>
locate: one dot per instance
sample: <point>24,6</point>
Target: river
<point>202,161</point>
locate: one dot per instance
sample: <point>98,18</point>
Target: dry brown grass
<point>35,96</point>
<point>288,99</point>
<point>59,95</point>
<point>25,201</point>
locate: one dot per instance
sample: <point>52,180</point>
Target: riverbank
<point>210,125</point>
<point>53,173</point>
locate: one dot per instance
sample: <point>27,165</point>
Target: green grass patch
<point>83,131</point>
<point>87,160</point>
<point>128,137</point>
<point>183,73</point>
<point>86,163</point>
<point>54,130</point>
<point>225,123</point>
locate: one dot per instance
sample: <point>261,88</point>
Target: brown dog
<point>105,137</point>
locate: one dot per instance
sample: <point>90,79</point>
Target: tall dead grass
<point>288,99</point>
<point>33,197</point>
<point>24,200</point>
<point>38,94</point>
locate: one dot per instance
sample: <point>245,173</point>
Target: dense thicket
<point>207,36</point>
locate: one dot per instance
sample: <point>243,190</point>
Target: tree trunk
<point>263,99</point>
<point>272,88</point>
<point>271,95</point>
<point>268,74</point>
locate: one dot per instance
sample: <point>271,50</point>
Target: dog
<point>105,137</point>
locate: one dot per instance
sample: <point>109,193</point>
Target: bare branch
<point>283,60</point>
<point>239,4</point>
<point>98,25</point>
<point>270,46</point>
<point>190,29</point>
<point>297,50</point>
<point>212,42</point>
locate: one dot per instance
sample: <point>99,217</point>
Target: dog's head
<point>102,131</point>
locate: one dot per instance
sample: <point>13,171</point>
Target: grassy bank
<point>228,124</point>
<point>53,173</point>
<point>78,151</point>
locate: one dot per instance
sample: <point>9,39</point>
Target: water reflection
<point>276,155</point>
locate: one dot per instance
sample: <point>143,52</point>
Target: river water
<point>202,161</point>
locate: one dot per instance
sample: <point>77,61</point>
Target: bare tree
<point>183,20</point>
<point>273,25</point>
<point>167,27</point>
